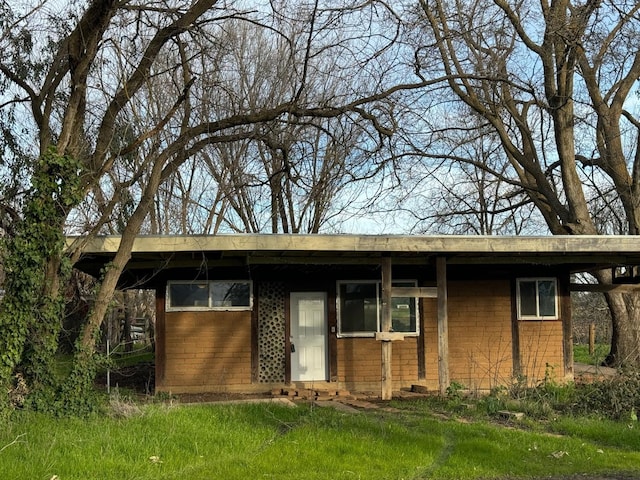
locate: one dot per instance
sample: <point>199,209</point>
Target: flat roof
<point>154,253</point>
<point>607,245</point>
<point>581,252</point>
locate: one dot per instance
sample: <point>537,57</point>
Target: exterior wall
<point>360,362</point>
<point>480,334</point>
<point>541,350</point>
<point>206,351</point>
<point>212,350</point>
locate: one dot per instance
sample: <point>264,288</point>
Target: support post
<point>387,377</point>
<point>443,326</point>
<point>567,326</point>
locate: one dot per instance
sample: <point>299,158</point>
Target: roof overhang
<point>150,253</point>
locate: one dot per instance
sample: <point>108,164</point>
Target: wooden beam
<point>389,336</point>
<point>287,335</point>
<point>333,328</point>
<point>567,326</point>
<point>596,287</point>
<point>414,292</point>
<point>443,326</point>
<point>255,329</point>
<point>422,360</point>
<point>515,332</point>
<point>604,245</point>
<point>160,340</point>
<point>387,380</point>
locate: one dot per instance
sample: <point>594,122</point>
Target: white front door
<point>308,336</point>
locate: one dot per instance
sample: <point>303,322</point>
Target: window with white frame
<point>360,307</point>
<point>537,298</point>
<point>209,295</point>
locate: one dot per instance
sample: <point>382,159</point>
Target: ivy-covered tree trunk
<point>32,310</point>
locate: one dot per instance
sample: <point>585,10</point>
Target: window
<point>358,308</point>
<point>214,295</point>
<point>537,299</point>
<point>360,304</point>
<point>188,294</point>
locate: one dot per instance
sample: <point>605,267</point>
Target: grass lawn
<point>308,442</point>
<point>581,354</point>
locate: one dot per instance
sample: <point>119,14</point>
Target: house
<point>247,313</point>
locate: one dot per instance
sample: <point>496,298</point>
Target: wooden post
<point>592,338</point>
<point>443,326</point>
<point>567,326</point>
<point>160,339</point>
<point>387,377</point>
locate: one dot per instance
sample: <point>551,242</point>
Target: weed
<point>455,391</point>
<point>122,406</point>
<point>616,398</point>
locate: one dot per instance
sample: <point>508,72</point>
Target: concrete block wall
<point>541,350</point>
<point>207,351</point>
<point>360,360</point>
<point>480,334</point>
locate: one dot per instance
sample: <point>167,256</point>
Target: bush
<point>617,398</point>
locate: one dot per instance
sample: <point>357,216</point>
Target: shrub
<point>617,398</point>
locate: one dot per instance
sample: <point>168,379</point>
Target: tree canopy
<point>165,117</point>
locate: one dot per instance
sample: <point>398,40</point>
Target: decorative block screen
<point>271,333</point>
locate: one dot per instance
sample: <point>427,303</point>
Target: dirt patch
<point>219,397</point>
<point>584,373</point>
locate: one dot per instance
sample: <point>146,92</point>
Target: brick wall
<point>480,342</point>
<point>541,349</point>
<point>207,351</point>
<point>211,351</point>
<point>480,338</point>
<point>360,360</point>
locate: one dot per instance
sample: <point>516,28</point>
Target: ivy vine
<point>33,307</point>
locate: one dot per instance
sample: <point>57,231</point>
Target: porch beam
<point>414,292</point>
<point>567,327</point>
<point>387,377</point>
<point>443,326</point>
<point>389,336</point>
<point>596,287</point>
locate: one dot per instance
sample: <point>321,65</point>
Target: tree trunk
<point>625,316</point>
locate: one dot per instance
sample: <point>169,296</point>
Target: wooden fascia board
<point>453,244</point>
<point>580,252</point>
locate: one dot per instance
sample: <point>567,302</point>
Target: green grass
<point>581,354</point>
<point>140,353</point>
<point>273,441</point>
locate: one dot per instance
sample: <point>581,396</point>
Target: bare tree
<point>117,101</point>
<point>474,194</point>
<point>552,81</point>
<point>288,176</point>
